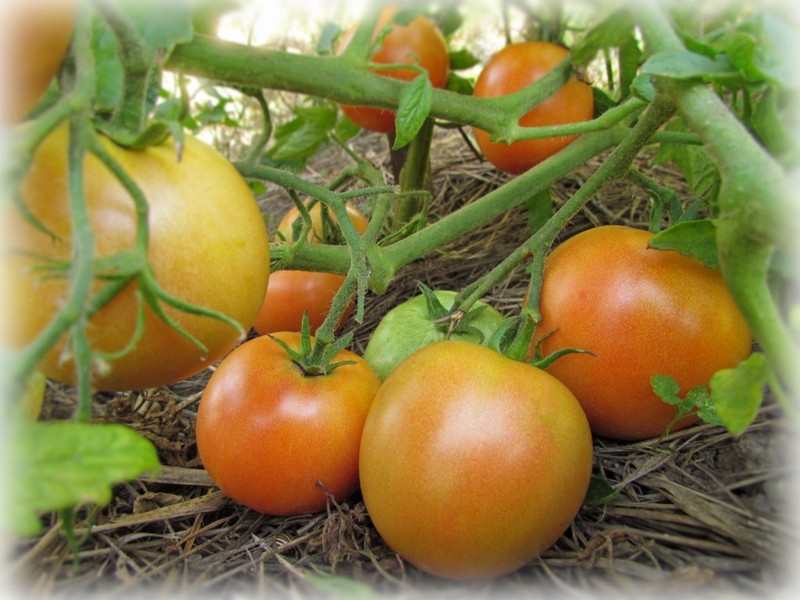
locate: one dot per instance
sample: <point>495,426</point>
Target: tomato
<point>267,433</point>
<point>472,464</point>
<point>317,230</point>
<point>419,42</point>
<point>513,68</point>
<point>641,312</point>
<point>208,247</point>
<point>36,37</point>
<point>291,293</point>
<point>409,327</point>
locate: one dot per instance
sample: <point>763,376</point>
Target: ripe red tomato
<point>267,432</point>
<point>208,247</point>
<point>35,40</point>
<point>291,293</point>
<point>642,312</point>
<point>471,463</point>
<point>510,70</point>
<point>420,42</point>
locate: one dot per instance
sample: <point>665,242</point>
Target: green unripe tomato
<point>409,327</point>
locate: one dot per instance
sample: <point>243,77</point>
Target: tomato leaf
<point>737,393</point>
<point>299,138</point>
<point>57,465</point>
<point>685,65</point>
<point>613,31</point>
<point>413,108</point>
<point>462,59</point>
<point>599,492</point>
<point>690,238</point>
<point>458,84</point>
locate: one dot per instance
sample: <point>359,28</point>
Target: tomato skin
<point>408,327</point>
<point>208,247</point>
<point>641,312</point>
<point>472,464</point>
<point>402,45</point>
<point>36,38</point>
<point>291,293</point>
<point>510,70</point>
<point>267,433</point>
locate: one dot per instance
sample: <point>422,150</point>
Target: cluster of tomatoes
<point>470,463</point>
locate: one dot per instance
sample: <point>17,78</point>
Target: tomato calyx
<point>315,358</point>
<point>507,341</point>
<point>451,321</point>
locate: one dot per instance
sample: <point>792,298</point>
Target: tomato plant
<point>268,433</point>
<point>411,325</point>
<point>471,463</point>
<point>513,68</point>
<point>640,312</point>
<point>291,294</point>
<point>207,246</point>
<point>36,37</point>
<point>420,43</point>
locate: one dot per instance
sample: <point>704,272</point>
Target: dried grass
<point>700,511</point>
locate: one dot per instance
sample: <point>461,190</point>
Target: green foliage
<point>697,400</point>
<point>298,139</point>
<point>691,238</point>
<point>413,108</point>
<point>58,465</point>
<point>737,393</point>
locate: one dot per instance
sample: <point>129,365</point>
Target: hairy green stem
<point>755,217</point>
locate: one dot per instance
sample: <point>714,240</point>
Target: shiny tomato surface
<point>276,439</point>
<point>473,464</point>
<point>511,69</point>
<point>419,42</point>
<point>640,312</point>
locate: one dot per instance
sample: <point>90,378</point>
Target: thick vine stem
<point>756,214</point>
<point>347,80</point>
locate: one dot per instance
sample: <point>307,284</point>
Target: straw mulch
<point>699,511</point>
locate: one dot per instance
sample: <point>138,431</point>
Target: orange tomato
<point>420,42</point>
<point>268,434</point>
<point>641,312</point>
<point>292,293</point>
<point>472,464</point>
<point>511,69</point>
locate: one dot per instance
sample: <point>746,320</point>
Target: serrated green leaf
<point>613,31</point>
<point>56,465</point>
<point>666,388</point>
<point>299,138</point>
<point>414,106</point>
<point>462,59</point>
<point>684,65</point>
<point>599,492</point>
<point>459,85</point>
<point>690,238</point>
<point>642,87</point>
<point>172,27</point>
<point>109,73</point>
<point>737,393</point>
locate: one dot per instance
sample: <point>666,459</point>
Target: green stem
<point>754,207</point>
<point>414,175</point>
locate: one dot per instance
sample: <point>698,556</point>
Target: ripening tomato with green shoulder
<point>419,42</point>
<point>513,68</point>
<point>275,438</point>
<point>640,312</point>
<point>409,326</point>
<point>473,464</point>
<point>207,247</point>
<point>292,293</point>
<point>35,41</point>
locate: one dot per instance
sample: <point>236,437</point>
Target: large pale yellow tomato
<point>208,247</point>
